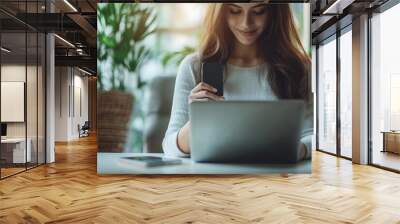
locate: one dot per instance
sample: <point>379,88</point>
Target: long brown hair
<point>287,62</point>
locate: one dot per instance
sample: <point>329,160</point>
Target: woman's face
<point>247,21</point>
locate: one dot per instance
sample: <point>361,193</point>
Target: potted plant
<point>122,27</point>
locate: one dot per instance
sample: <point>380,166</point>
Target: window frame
<point>334,37</point>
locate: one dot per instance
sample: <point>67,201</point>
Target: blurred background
<point>147,66</point>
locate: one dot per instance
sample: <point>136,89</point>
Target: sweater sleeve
<point>184,83</point>
<point>308,129</point>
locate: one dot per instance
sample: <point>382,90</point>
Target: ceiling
<point>73,21</point>
<point>328,16</point>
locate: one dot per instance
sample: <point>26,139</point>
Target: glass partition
<point>13,105</point>
<point>327,96</point>
<point>385,89</point>
<point>22,89</point>
<point>31,100</point>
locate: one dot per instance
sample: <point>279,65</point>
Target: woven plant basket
<point>113,115</point>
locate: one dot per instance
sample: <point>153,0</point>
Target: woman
<point>264,60</point>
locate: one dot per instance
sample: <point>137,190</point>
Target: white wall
<point>33,126</point>
<point>12,100</point>
<point>61,103</point>
<point>80,110</point>
<point>71,87</point>
<point>16,73</point>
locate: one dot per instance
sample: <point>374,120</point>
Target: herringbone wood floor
<point>70,191</point>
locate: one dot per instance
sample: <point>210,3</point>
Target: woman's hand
<point>201,92</point>
<point>183,138</point>
<point>204,92</point>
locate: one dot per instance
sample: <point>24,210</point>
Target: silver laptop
<point>246,131</point>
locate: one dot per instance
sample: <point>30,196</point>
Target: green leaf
<point>122,27</point>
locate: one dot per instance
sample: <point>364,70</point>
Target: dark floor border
<point>22,171</point>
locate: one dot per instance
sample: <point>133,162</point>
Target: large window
<point>327,96</point>
<point>334,67</point>
<point>385,88</point>
<point>346,93</point>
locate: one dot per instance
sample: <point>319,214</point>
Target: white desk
<point>18,149</point>
<point>109,163</point>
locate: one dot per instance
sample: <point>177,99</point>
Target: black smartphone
<point>212,74</point>
<point>149,161</point>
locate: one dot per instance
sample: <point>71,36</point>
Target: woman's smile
<point>247,36</point>
<point>248,33</point>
